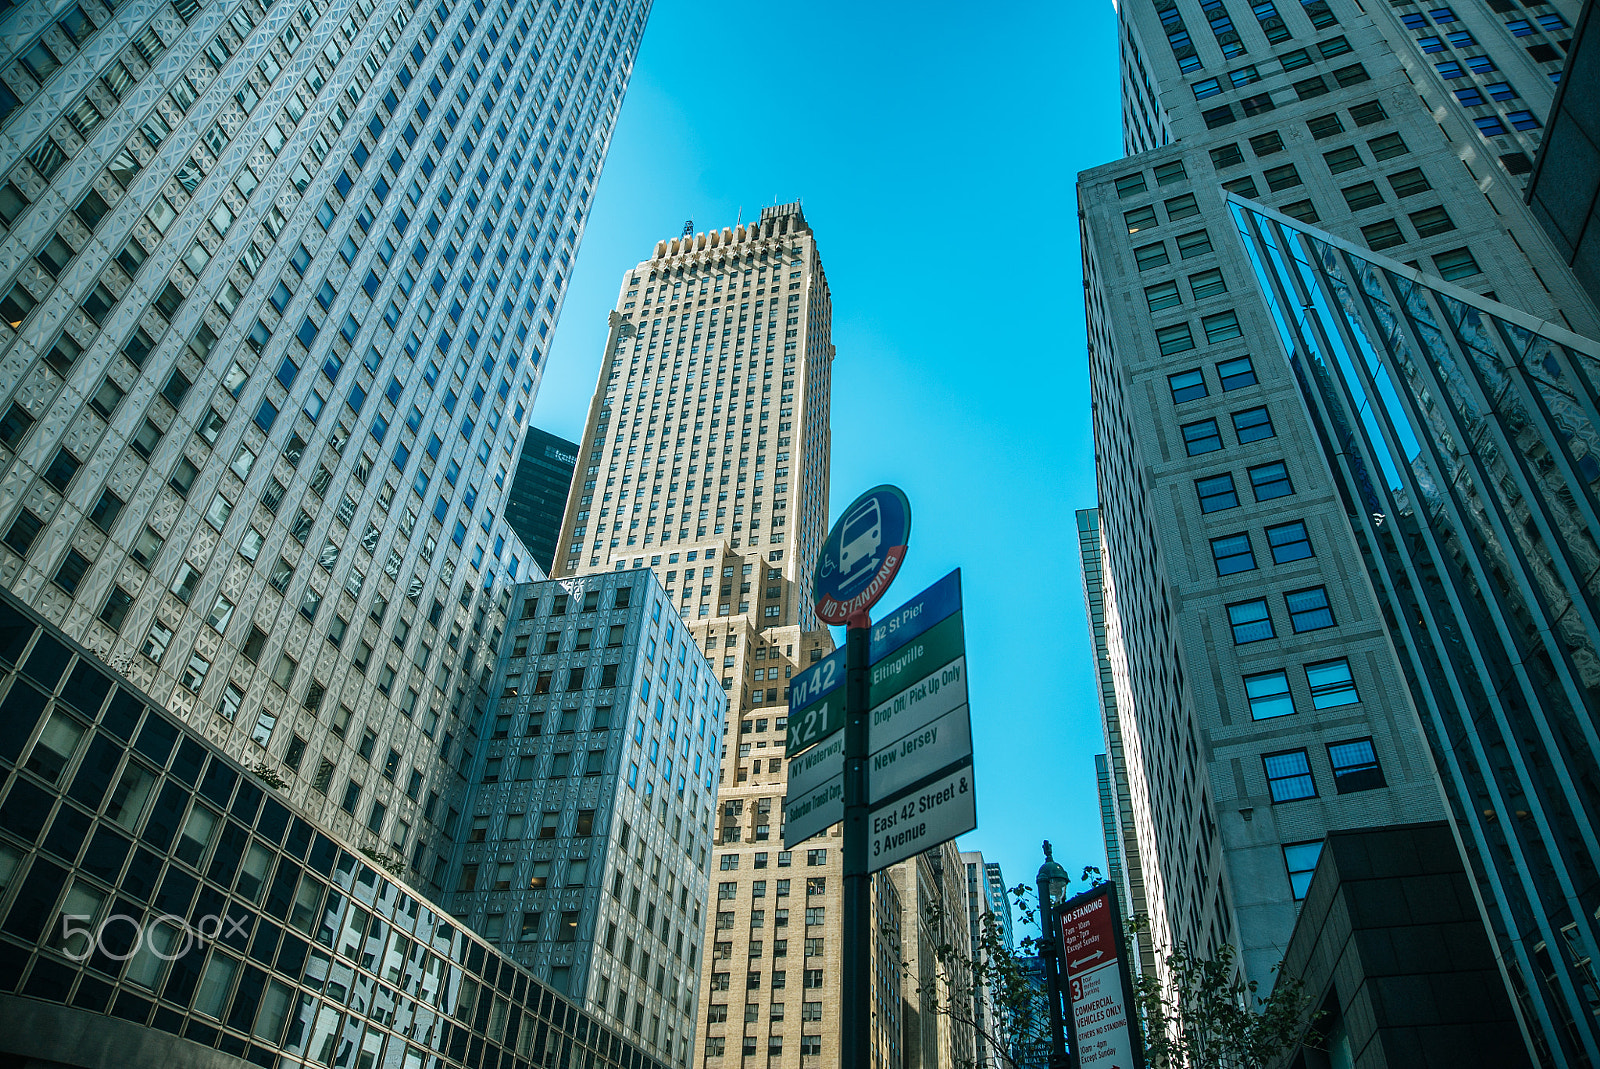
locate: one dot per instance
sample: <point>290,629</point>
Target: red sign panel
<point>1098,1002</point>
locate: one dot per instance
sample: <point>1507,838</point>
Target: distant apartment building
<point>1292,590</point>
<point>538,497</point>
<point>999,899</point>
<point>587,820</point>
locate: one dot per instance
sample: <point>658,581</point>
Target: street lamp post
<point>1052,883</point>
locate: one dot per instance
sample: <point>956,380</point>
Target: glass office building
<point>1464,440</point>
<point>161,904</point>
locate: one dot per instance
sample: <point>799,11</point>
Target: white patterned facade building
<point>278,284</point>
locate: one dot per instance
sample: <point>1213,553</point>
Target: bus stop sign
<point>862,554</point>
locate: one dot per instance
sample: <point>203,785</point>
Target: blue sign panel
<point>862,554</point>
<point>939,601</point>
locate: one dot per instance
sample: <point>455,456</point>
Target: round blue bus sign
<point>862,554</point>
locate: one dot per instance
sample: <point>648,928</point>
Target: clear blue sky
<point>934,147</point>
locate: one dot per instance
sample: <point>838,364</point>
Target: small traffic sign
<point>862,553</point>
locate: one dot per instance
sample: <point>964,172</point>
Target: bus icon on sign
<point>861,555</point>
<point>862,537</point>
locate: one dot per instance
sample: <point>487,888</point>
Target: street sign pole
<point>858,941</point>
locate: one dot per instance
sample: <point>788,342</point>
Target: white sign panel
<point>922,819</point>
<point>920,753</point>
<point>1100,1020</point>
<point>814,812</point>
<point>821,762</point>
<point>920,704</point>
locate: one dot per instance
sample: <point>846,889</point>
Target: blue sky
<point>935,154</point>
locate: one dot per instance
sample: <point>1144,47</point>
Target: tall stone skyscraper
<point>705,458</point>
<point>1258,693</point>
<point>278,286</point>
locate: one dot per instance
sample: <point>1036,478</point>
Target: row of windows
<point>1287,542</point>
<point>1308,609</point>
<point>1250,425</point>
<point>1267,481</point>
<point>1354,764</point>
<point>1330,683</point>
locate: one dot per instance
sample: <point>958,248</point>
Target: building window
<point>1301,861</point>
<point>1363,195</point>
<point>1407,183</point>
<point>1456,264</point>
<point>1270,480</point>
<point>1253,425</point>
<point>1201,437</point>
<point>1129,184</point>
<point>1269,695</point>
<point>1216,493</point>
<point>1344,159</point>
<point>1148,256</point>
<point>1207,284</point>
<point>1140,218</point>
<point>1224,326</point>
<point>1355,766</point>
<point>1194,244</point>
<point>1309,609</point>
<point>1431,221</point>
<point>1384,234</point>
<point>1162,295</point>
<point>1331,684</point>
<point>1387,147</point>
<point>1368,113</point>
<point>1251,621</point>
<point>1244,187</point>
<point>1226,156</point>
<point>1289,542</point>
<point>1232,554</point>
<point>1281,178</point>
<point>1181,207</point>
<point>1187,385</point>
<point>1236,373</point>
<point>1175,339</point>
<point>1266,144</point>
<point>1289,776</point>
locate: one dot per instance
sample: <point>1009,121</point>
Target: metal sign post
<point>880,735</point>
<point>854,567</point>
<point>856,1016</point>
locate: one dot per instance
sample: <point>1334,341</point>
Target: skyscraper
<point>588,814</point>
<point>999,899</point>
<point>280,280</point>
<point>1117,812</point>
<point>1255,678</point>
<point>539,489</point>
<point>1269,652</point>
<point>705,458</point>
